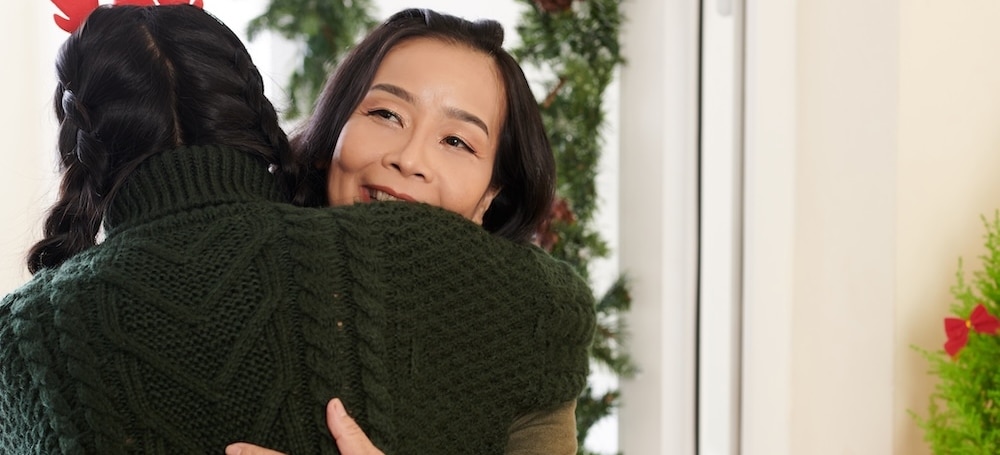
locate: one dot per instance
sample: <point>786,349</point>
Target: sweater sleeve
<point>457,332</point>
<point>565,329</point>
<point>545,432</point>
<point>545,312</point>
<point>29,384</point>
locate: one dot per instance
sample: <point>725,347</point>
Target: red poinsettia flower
<point>958,329</point>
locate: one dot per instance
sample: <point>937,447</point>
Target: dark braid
<point>74,220</point>
<point>274,136</point>
<point>138,81</point>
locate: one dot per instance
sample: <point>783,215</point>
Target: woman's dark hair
<point>524,170</point>
<point>136,81</point>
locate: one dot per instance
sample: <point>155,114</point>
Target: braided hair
<point>137,81</point>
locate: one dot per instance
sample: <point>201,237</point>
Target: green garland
<point>964,409</point>
<point>327,29</point>
<point>576,42</point>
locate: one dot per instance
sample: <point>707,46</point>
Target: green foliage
<point>964,410</point>
<point>578,244</point>
<point>609,346</point>
<point>579,50</point>
<point>326,28</point>
<point>590,408</point>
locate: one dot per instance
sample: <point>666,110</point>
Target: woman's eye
<point>385,114</point>
<point>456,142</point>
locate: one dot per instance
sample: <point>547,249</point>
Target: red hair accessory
<point>958,329</point>
<point>78,10</point>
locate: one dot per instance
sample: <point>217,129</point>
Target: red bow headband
<point>78,10</point>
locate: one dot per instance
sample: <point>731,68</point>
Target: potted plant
<point>964,410</point>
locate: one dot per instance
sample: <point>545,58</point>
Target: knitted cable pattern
<point>228,333</point>
<point>28,427</point>
<point>367,293</point>
<point>322,283</point>
<point>213,313</point>
<point>475,328</point>
<point>81,363</point>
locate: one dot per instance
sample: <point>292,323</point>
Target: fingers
<point>351,439</point>
<point>242,448</point>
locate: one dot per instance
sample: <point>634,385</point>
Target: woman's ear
<point>484,205</point>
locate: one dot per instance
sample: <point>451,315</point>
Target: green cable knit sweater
<point>213,313</point>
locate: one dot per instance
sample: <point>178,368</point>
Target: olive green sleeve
<point>545,432</point>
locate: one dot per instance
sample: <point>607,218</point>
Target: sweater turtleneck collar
<point>191,177</point>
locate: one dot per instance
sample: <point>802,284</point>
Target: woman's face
<point>427,131</point>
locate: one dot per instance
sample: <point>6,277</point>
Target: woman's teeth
<point>382,196</point>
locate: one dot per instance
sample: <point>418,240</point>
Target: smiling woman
<point>448,70</point>
<point>430,108</point>
<point>422,132</point>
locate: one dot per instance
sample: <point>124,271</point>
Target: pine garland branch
<point>609,348</point>
<point>576,43</point>
<point>592,407</point>
<point>327,30</point>
<point>551,97</point>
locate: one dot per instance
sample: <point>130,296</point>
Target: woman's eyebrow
<point>453,112</point>
<point>467,116</point>
<point>395,90</point>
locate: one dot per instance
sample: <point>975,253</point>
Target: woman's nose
<point>411,160</point>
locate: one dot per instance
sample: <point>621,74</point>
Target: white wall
<point>770,149</point>
<point>843,320</point>
<point>948,162</point>
<point>892,108</point>
<point>27,123</point>
<point>835,351</point>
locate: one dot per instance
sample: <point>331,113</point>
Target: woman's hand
<point>351,439</point>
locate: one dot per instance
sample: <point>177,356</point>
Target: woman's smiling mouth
<point>384,194</point>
